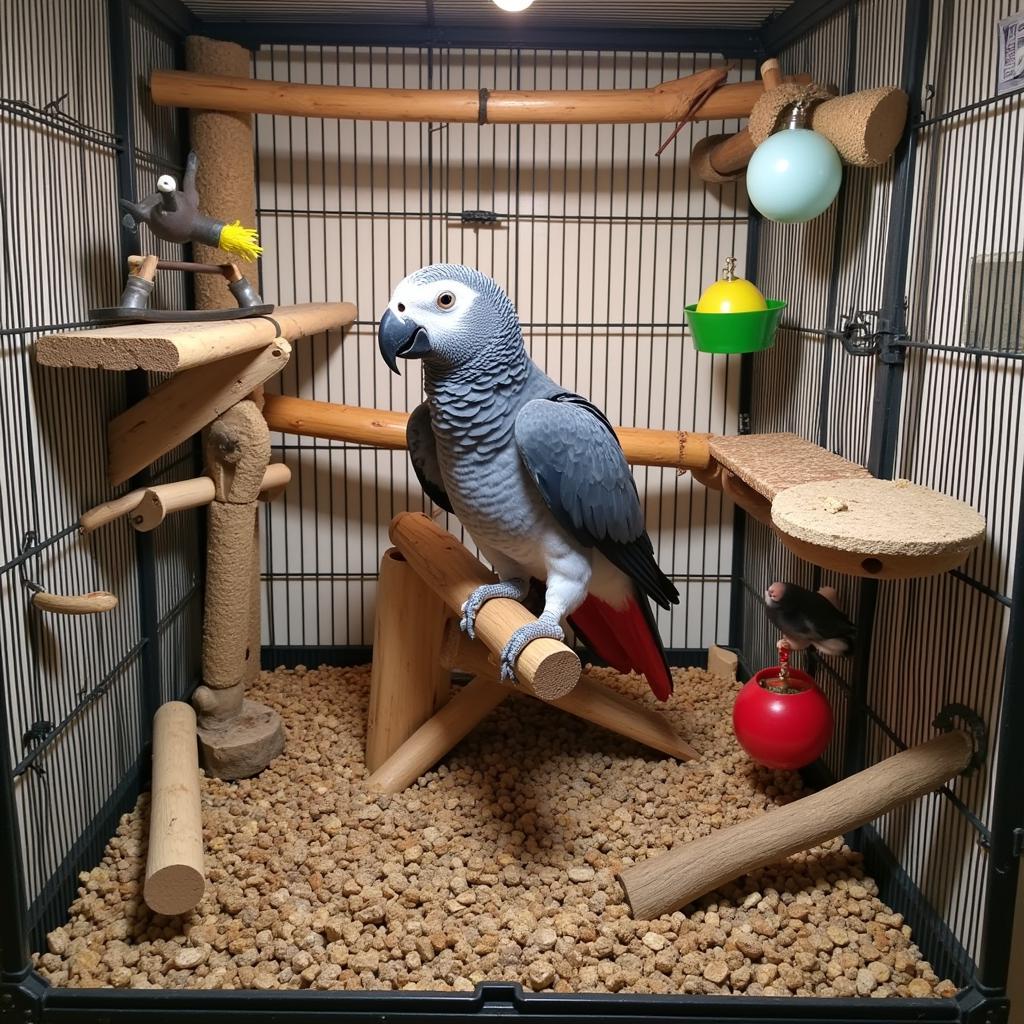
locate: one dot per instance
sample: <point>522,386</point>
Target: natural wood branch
<point>74,604</point>
<point>546,667</point>
<point>666,102</point>
<point>661,885</point>
<point>175,879</point>
<point>173,347</point>
<point>185,404</point>
<point>385,429</point>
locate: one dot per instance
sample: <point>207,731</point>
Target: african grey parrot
<point>809,619</point>
<point>534,472</point>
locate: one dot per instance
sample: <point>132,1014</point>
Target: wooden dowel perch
<point>663,884</point>
<point>175,879</point>
<point>669,101</point>
<point>385,429</point>
<point>151,505</point>
<point>590,700</point>
<point>546,667</point>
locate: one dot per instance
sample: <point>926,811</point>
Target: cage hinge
<point>479,217</point>
<point>863,332</point>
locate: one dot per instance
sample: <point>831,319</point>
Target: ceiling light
<point>513,5</point>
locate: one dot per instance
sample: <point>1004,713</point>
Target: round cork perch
<point>225,180</point>
<point>879,528</point>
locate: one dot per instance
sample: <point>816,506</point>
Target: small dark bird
<point>809,619</point>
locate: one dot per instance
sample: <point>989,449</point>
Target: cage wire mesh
<point>938,640</point>
<point>598,245</point>
<point>75,689</point>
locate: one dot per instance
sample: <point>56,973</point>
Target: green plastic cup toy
<point>733,316</point>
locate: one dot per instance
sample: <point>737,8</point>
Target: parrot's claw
<point>515,589</point>
<point>546,626</point>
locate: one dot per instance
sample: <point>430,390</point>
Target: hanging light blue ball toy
<point>795,174</point>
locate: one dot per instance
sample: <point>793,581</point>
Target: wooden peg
<point>74,604</point>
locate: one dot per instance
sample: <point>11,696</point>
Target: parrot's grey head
<point>450,316</point>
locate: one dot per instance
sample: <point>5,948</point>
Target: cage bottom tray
<point>499,865</point>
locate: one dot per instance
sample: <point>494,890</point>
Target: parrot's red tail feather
<point>626,638</point>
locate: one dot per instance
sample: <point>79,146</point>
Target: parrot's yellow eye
<point>445,300</point>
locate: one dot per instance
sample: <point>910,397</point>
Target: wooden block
<point>432,740</point>
<point>722,662</point>
<point>599,704</point>
<point>174,347</point>
<point>408,683</point>
<point>183,405</point>
<point>175,878</point>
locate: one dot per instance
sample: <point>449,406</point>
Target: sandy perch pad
<point>884,519</point>
<point>770,463</point>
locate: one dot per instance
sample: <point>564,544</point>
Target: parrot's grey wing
<point>576,461</point>
<point>419,435</point>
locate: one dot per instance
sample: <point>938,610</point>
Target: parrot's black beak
<point>401,339</point>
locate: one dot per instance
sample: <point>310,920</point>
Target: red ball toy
<point>779,729</point>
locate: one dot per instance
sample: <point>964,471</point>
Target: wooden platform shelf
<point>173,347</point>
<point>825,509</point>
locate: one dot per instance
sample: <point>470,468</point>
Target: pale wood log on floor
<point>665,883</point>
<point>175,876</point>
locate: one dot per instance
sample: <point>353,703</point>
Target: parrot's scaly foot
<point>546,626</point>
<point>515,589</point>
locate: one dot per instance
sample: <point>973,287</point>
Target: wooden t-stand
<point>412,724</point>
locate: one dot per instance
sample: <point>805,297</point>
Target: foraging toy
<point>795,174</point>
<point>781,718</point>
<point>731,294</point>
<point>174,216</point>
<point>733,316</point>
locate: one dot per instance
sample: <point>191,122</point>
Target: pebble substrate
<point>498,865</point>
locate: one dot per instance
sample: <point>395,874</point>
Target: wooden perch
<point>590,700</point>
<point>74,604</point>
<point>162,496</point>
<point>173,347</point>
<point>669,101</point>
<point>663,884</point>
<point>183,405</point>
<point>752,469</point>
<point>159,502</point>
<point>382,428</point>
<point>546,667</point>
<point>175,879</point>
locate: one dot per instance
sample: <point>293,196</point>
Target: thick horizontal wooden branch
<point>668,102</point>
